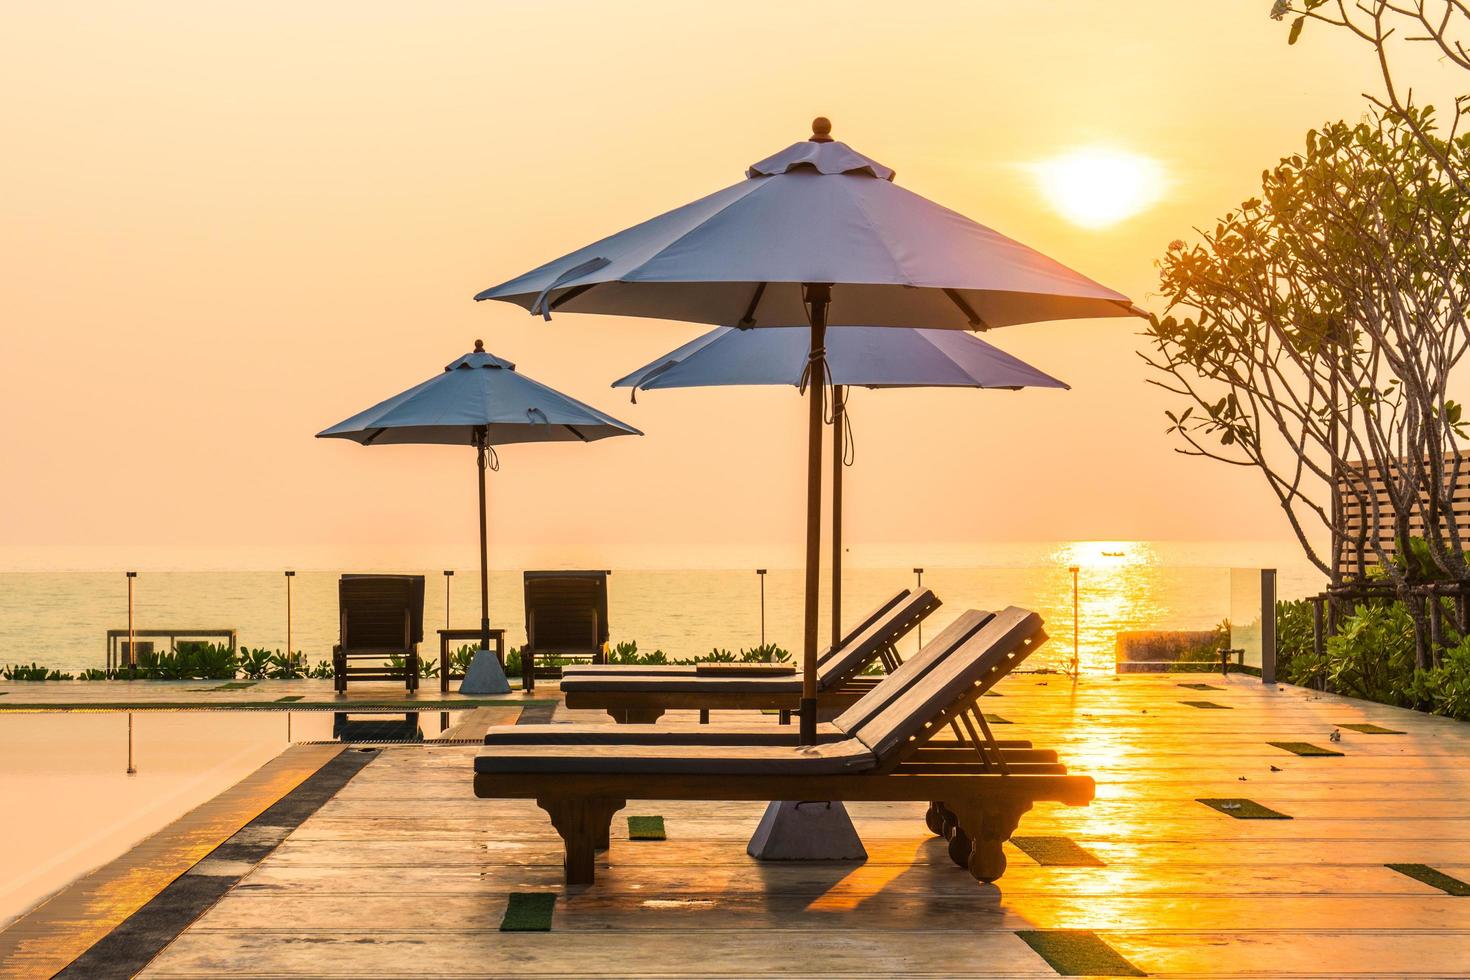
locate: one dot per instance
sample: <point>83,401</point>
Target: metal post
<point>448,574</point>
<point>762,573</point>
<point>1076,626</point>
<point>290,648</point>
<point>131,770</point>
<point>817,296</point>
<point>132,660</point>
<point>480,444</point>
<point>919,587</point>
<point>838,448</point>
<point>1268,626</point>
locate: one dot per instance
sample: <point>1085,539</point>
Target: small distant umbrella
<point>861,356</point>
<point>818,234</point>
<point>479,400</point>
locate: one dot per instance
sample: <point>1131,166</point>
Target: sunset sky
<point>225,228</point>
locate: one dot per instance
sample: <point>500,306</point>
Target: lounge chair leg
<point>987,826</point>
<point>960,847</point>
<point>704,716</point>
<point>583,824</point>
<point>635,716</point>
<point>785,717</point>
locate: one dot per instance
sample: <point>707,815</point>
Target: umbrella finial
<point>479,347</point>
<point>821,130</point>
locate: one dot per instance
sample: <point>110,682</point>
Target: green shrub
<point>1371,657</point>
<point>32,672</point>
<point>768,654</point>
<point>284,666</point>
<point>256,663</point>
<point>1294,636</point>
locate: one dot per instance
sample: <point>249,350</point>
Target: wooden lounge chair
<point>382,616</point>
<point>690,670</point>
<point>566,615</point>
<point>643,699</point>
<point>886,690</point>
<point>976,795</point>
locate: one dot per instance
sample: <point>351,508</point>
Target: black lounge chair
<point>566,616</point>
<point>976,795</point>
<point>382,617</point>
<point>690,670</point>
<point>643,699</point>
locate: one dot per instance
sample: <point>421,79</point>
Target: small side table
<point>497,636</point>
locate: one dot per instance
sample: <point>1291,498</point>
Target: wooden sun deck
<point>406,872</point>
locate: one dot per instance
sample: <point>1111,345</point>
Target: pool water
<point>70,804</point>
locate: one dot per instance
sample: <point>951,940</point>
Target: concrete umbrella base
<point>484,675</point>
<point>810,830</point>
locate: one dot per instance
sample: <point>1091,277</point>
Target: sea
<point>59,618</point>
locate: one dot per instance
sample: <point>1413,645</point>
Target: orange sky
<point>225,228</point>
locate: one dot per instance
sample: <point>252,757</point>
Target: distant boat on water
<point>1113,554</point>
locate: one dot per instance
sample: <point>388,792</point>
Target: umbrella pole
<point>818,295</point>
<point>839,447</point>
<point>484,551</point>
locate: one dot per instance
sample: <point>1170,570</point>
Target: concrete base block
<point>806,831</point>
<point>484,675</point>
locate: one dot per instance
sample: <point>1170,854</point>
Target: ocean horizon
<point>58,618</point>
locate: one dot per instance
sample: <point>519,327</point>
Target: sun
<point>1099,186</point>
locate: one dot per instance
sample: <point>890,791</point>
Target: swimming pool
<point>71,805</point>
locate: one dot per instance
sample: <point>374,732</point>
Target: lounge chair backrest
<point>566,612</point>
<point>880,634</point>
<point>928,657</point>
<point>381,612</point>
<point>863,624</point>
<point>969,671</point>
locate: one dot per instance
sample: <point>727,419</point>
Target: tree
<point>1312,334</point>
<point>1395,30</point>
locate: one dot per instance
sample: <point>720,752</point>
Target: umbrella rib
<point>748,320</point>
<point>573,430</point>
<point>966,309</point>
<point>571,294</point>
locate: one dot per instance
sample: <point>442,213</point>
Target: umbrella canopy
<point>868,357</point>
<point>819,234</point>
<point>816,212</point>
<point>865,357</point>
<point>478,400</point>
<point>477,393</point>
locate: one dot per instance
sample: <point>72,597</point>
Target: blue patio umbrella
<point>818,234</point>
<point>857,356</point>
<point>479,400</point>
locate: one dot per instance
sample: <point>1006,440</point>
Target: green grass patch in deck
<point>1201,687</point>
<point>1243,809</point>
<point>1303,748</point>
<point>646,828</point>
<point>1078,953</point>
<point>1431,876</point>
<point>528,912</point>
<point>290,697</point>
<point>1058,852</point>
<point>1367,729</point>
<point>1206,704</point>
<point>998,720</point>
